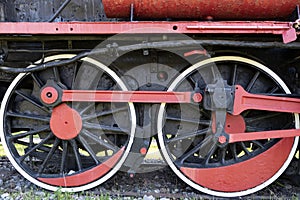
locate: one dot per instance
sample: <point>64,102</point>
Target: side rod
<point>126,96</point>
<point>242,101</point>
<point>248,136</point>
<point>246,101</point>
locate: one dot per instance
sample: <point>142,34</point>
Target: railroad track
<point>159,184</point>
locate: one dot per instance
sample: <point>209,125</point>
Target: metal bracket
<point>291,34</point>
<point>219,96</point>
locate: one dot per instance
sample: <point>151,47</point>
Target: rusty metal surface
<point>201,9</point>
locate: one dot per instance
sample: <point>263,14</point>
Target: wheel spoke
<point>273,90</point>
<point>192,79</point>
<point>245,149</point>
<point>200,122</point>
<point>21,159</point>
<point>75,74</point>
<point>183,136</point>
<point>28,144</point>
<point>32,101</point>
<point>215,73</point>
<point>209,155</point>
<point>95,126</point>
<point>223,155</point>
<point>88,148</point>
<point>28,116</point>
<point>87,108</point>
<point>257,143</point>
<point>100,141</point>
<point>49,156</point>
<point>56,74</point>
<point>202,111</point>
<point>37,80</point>
<point>64,156</point>
<point>233,151</point>
<point>234,74</point>
<point>33,132</point>
<point>252,82</point>
<point>195,149</point>
<point>261,117</point>
<point>76,153</point>
<point>103,113</point>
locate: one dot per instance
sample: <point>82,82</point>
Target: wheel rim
<point>77,163</point>
<point>225,172</point>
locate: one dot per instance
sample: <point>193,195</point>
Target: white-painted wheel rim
<point>90,185</point>
<point>164,151</point>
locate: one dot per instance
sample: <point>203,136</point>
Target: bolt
<point>222,139</point>
<point>143,150</point>
<point>197,97</point>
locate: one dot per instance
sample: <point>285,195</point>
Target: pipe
<point>59,10</point>
<point>114,49</point>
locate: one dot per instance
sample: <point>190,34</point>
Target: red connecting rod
<point>242,101</point>
<point>127,96</point>
<point>246,101</point>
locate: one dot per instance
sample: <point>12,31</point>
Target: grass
<point>41,194</point>
<point>48,195</point>
<point>58,195</point>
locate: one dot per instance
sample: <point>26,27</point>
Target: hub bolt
<point>222,139</point>
<point>197,97</point>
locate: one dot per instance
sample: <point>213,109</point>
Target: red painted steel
<point>239,137</point>
<point>126,96</point>
<point>246,101</point>
<point>86,176</point>
<point>143,150</point>
<point>201,9</point>
<point>196,52</point>
<point>222,139</point>
<point>235,124</point>
<point>65,122</point>
<point>49,95</point>
<point>73,28</point>
<point>197,97</point>
<point>243,175</point>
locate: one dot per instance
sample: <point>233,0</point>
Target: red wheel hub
<point>65,122</point>
<point>235,124</point>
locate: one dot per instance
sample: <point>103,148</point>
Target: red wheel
<point>75,145</point>
<point>235,169</point>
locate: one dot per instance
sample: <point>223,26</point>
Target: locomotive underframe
<point>23,44</point>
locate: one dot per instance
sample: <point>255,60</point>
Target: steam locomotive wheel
<point>235,169</point>
<point>74,145</point>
